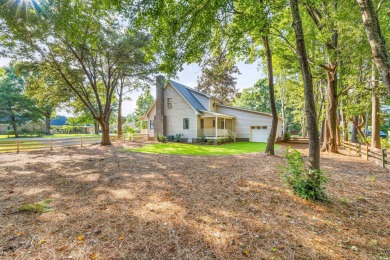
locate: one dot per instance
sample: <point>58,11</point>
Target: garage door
<point>259,134</point>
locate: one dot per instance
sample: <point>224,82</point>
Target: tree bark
<point>271,138</point>
<point>310,109</point>
<point>105,126</point>
<point>15,128</point>
<point>376,40</point>
<point>96,124</point>
<point>354,130</point>
<point>375,116</point>
<point>47,123</point>
<point>345,127</point>
<point>120,100</point>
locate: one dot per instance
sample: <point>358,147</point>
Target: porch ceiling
<point>209,114</point>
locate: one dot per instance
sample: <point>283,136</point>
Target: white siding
<point>245,119</point>
<point>180,110</point>
<point>202,99</point>
<point>151,117</point>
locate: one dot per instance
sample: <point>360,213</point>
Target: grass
<point>205,150</point>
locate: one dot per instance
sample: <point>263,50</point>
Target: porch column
<point>216,127</point>
<point>224,126</point>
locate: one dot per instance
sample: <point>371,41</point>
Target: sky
<point>250,74</point>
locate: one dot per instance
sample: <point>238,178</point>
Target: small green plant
<point>178,137</point>
<point>202,138</point>
<point>161,138</point>
<point>287,136</point>
<point>306,183</point>
<point>129,130</point>
<point>344,200</point>
<point>362,198</point>
<point>39,207</point>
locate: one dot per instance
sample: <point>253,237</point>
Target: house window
<point>213,103</point>
<point>186,123</point>
<point>151,124</point>
<point>169,103</point>
<point>213,123</point>
<point>222,125</point>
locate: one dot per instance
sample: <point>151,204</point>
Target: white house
<point>182,110</point>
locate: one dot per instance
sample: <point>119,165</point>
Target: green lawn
<point>197,149</point>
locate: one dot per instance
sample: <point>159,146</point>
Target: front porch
<point>216,126</point>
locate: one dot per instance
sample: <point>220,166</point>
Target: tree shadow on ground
<point>132,205</point>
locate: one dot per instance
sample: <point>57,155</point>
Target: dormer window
<point>169,103</point>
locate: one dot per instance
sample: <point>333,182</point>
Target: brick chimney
<point>160,118</point>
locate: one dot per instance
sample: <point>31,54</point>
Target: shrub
<point>287,136</point>
<point>10,132</point>
<point>161,138</point>
<point>23,131</point>
<point>202,138</point>
<point>129,130</point>
<point>178,137</point>
<point>308,184</point>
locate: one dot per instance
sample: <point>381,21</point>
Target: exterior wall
<point>245,119</point>
<point>211,107</point>
<point>151,115</point>
<point>180,110</point>
<point>202,99</point>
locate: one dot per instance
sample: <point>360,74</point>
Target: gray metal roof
<point>186,93</point>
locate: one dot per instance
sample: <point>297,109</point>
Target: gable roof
<point>188,96</point>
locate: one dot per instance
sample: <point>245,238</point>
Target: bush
<point>385,143</point>
<point>178,137</point>
<point>23,131</point>
<point>307,184</point>
<point>161,138</point>
<point>202,138</point>
<point>287,136</point>
<point>10,132</point>
<point>129,130</point>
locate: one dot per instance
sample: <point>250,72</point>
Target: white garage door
<point>259,134</point>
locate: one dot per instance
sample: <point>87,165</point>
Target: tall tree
<point>15,108</point>
<point>255,98</point>
<point>87,44</point>
<point>47,92</point>
<point>217,77</point>
<point>311,117</point>
<point>377,41</point>
<point>143,104</point>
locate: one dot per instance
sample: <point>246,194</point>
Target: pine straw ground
<point>110,204</point>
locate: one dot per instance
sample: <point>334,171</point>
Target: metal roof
<point>186,93</point>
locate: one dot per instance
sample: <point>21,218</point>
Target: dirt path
<point>110,204</point>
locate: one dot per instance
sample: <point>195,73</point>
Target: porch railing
<point>212,132</point>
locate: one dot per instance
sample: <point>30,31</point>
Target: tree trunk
<point>375,116</point>
<point>120,100</point>
<point>330,135</point>
<point>359,124</point>
<point>345,127</point>
<point>47,123</point>
<point>376,40</point>
<point>96,124</point>
<point>15,128</point>
<point>271,139</point>
<point>105,132</point>
<point>310,109</point>
<point>354,130</point>
<point>322,130</point>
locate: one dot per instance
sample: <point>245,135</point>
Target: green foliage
<point>217,77</point>
<point>161,138</point>
<point>385,143</point>
<point>143,104</point>
<point>287,136</point>
<point>178,137</point>
<point>202,138</point>
<point>129,130</point>
<point>255,98</point>
<point>15,107</point>
<point>308,184</point>
<point>39,207</point>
